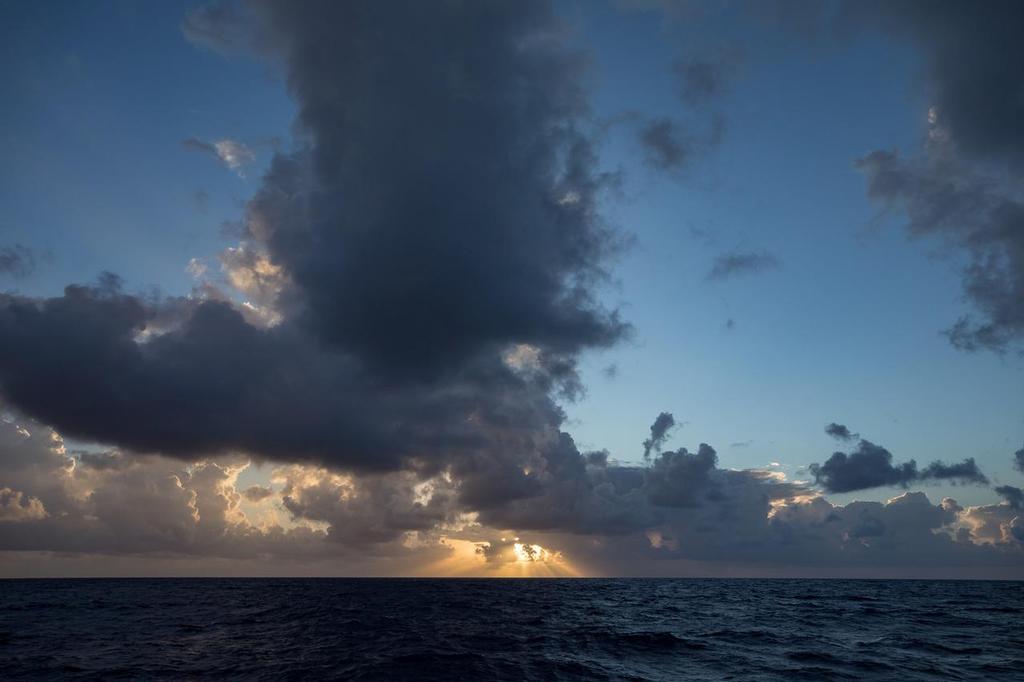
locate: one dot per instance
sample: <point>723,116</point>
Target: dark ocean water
<point>511,629</point>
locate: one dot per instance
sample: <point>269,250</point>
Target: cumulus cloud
<point>729,265</point>
<point>116,503</point>
<point>580,509</point>
<point>16,506</point>
<point>17,260</point>
<point>999,525</point>
<point>871,466</point>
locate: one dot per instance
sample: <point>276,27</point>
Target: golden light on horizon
<point>506,560</point>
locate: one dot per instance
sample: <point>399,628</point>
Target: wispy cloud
<point>17,260</point>
<point>232,153</point>
<point>736,263</point>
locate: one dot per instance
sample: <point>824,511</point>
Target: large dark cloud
<point>446,203</point>
<point>871,466</point>
<point>681,478</point>
<point>427,258</point>
<point>217,383</point>
<point>964,187</point>
<point>974,212</point>
<point>973,54</point>
<point>422,273</point>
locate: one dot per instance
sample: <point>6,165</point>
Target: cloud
<point>976,91</point>
<point>998,525</point>
<point>432,252</point>
<point>870,466</point>
<point>962,186</point>
<point>740,263</point>
<point>16,506</point>
<point>581,509</point>
<point>839,432</point>
<point>209,381</point>
<point>233,154</point>
<point>1014,496</point>
<point>17,260</point>
<point>427,225</point>
<point>1018,460</point>
<point>660,430</point>
<point>702,80</point>
<point>664,145</point>
<point>680,478</point>
<point>943,198</point>
<point>966,471</point>
<point>114,503</point>
<point>257,493</point>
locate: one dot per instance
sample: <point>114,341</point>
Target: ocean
<point>493,629</point>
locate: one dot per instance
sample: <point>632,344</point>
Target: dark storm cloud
<point>457,202</point>
<point>17,260</point>
<point>434,249</point>
<point>871,466</point>
<point>973,55</point>
<point>839,432</point>
<point>943,198</point>
<point>964,188</point>
<point>1013,495</point>
<point>216,383</point>
<point>660,429</point>
<point>680,478</point>
<point>741,263</point>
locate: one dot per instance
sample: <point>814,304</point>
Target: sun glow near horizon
<point>505,558</point>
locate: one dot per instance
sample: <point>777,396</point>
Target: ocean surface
<point>256,629</point>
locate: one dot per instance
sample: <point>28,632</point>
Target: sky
<point>512,289</point>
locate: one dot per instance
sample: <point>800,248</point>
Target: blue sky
<point>848,328</point>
